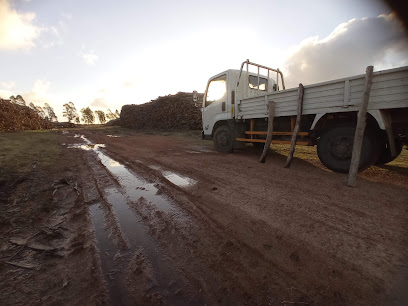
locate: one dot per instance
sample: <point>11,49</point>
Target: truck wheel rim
<point>342,147</point>
<point>223,139</point>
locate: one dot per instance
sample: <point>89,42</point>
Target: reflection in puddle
<point>139,241</point>
<point>86,147</point>
<point>154,167</point>
<point>114,163</point>
<point>135,187</point>
<point>179,180</point>
<point>166,277</point>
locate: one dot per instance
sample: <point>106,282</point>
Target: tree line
<point>69,111</point>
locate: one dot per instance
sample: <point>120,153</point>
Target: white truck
<point>235,111</point>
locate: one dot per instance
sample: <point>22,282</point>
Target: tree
<point>101,116</point>
<point>87,115</point>
<point>38,109</point>
<point>70,112</point>
<point>18,100</point>
<point>117,114</point>
<point>50,112</point>
<point>110,115</point>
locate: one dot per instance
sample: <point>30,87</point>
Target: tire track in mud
<point>136,270</point>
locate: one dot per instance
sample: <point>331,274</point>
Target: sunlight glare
<point>216,90</point>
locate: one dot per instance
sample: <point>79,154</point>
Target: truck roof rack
<point>278,72</point>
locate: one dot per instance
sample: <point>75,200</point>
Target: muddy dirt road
<point>150,218</point>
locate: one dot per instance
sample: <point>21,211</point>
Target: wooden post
<point>271,107</point>
<point>361,123</point>
<point>297,125</point>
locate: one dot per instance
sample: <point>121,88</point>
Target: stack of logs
<point>14,117</point>
<point>172,112</point>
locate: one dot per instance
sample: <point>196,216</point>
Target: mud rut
<point>135,267</point>
<point>156,246</point>
<point>151,249</point>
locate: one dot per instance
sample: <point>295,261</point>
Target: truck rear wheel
<point>335,147</point>
<point>223,141</point>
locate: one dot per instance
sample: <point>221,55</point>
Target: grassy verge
<point>310,153</point>
<point>21,152</point>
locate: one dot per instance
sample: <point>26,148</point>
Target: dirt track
<point>183,224</point>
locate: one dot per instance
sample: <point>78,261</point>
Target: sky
<point>105,54</point>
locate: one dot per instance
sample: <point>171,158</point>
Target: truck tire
<point>385,152</point>
<point>335,147</point>
<point>223,141</point>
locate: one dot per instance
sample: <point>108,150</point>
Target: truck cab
<point>227,88</point>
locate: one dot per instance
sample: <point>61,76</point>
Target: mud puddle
<point>142,258</point>
<point>175,178</point>
<point>179,180</point>
<point>137,188</point>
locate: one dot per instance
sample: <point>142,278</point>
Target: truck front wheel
<point>335,147</point>
<point>223,141</point>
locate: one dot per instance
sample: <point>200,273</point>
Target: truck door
<point>215,103</point>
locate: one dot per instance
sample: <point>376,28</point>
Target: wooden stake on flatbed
<point>361,123</point>
<point>297,125</point>
<point>271,107</point>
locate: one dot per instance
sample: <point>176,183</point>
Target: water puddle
<point>179,180</point>
<point>137,188</point>
<point>142,251</point>
<point>86,147</point>
<point>175,178</point>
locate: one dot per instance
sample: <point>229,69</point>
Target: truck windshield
<point>253,82</point>
<point>216,90</point>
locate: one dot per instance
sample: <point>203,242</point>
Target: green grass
<point>309,153</point>
<point>302,152</point>
<point>21,152</point>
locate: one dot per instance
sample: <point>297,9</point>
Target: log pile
<point>14,117</point>
<point>172,112</point>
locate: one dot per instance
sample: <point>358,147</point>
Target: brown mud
<point>131,218</point>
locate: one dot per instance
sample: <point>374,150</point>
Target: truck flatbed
<point>389,90</point>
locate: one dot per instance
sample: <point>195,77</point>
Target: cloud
<point>99,103</point>
<point>8,85</point>
<point>89,58</point>
<point>348,50</point>
<point>17,30</point>
<point>5,93</point>
<point>128,84</point>
<point>39,93</point>
<point>41,87</point>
